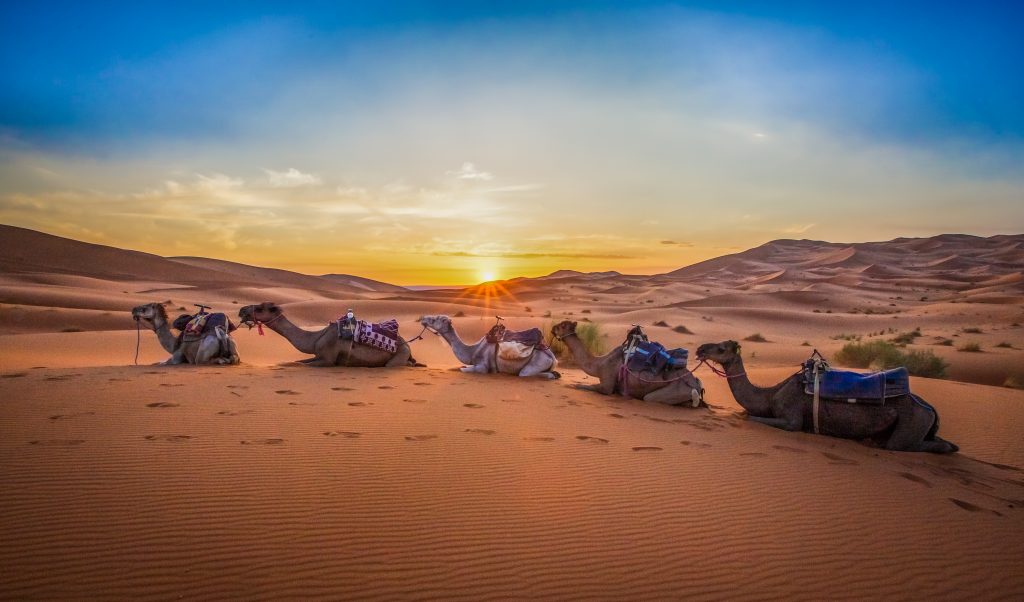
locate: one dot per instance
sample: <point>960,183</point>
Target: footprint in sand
<point>616,415</point>
<point>795,450</point>
<point>171,385</point>
<point>511,400</point>
<point>287,392</point>
<point>591,439</point>
<point>59,442</point>
<point>300,403</point>
<point>966,505</point>
<point>646,448</point>
<point>420,437</point>
<point>472,405</point>
<point>754,454</point>
<point>264,442</point>
<point>481,431</point>
<point>14,375</point>
<point>385,387</point>
<point>342,389</point>
<point>345,434</point>
<point>656,419</point>
<point>356,404</point>
<point>171,438</point>
<point>839,459</point>
<point>415,400</point>
<point>66,416</point>
<point>162,404</point>
<point>538,438</point>
<point>237,387</point>
<point>913,477</point>
<point>698,444</point>
<point>61,377</point>
<point>424,384</point>
<point>235,393</point>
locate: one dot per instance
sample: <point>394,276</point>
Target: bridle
<point>717,371</point>
<point>259,323</point>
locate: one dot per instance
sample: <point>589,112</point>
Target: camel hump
<point>855,386</point>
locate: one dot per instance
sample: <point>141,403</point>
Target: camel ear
<point>733,346</point>
<point>274,309</point>
<point>574,325</point>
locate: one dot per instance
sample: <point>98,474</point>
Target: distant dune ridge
<point>271,480</point>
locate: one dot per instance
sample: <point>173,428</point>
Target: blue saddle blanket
<point>840,384</point>
<point>656,358</point>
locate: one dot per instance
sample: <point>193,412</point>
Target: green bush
<point>906,338</point>
<point>970,347</point>
<point>757,337</point>
<point>882,355</point>
<point>879,355</point>
<point>588,332</point>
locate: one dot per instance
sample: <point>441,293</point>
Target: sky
<point>456,142</point>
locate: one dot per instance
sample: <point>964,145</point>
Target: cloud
<point>468,171</point>
<point>677,244</point>
<point>537,255</point>
<point>292,178</point>
<point>798,228</point>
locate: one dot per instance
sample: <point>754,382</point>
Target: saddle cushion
<point>200,325</point>
<point>841,384</point>
<point>512,350</point>
<point>382,335</point>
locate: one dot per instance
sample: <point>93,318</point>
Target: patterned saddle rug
<point>855,386</point>
<point>382,335</point>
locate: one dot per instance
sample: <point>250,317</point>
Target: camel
<point>214,348</point>
<point>904,423</point>
<point>325,345</point>
<point>679,388</point>
<point>481,357</point>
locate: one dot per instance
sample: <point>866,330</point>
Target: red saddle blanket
<point>194,327</point>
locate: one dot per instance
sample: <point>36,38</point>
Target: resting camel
<point>904,423</point>
<point>677,387</point>
<point>480,357</point>
<point>213,348</point>
<point>325,345</point>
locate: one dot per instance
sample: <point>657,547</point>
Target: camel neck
<point>754,399</point>
<point>463,352</point>
<point>163,334</point>
<point>587,362</point>
<point>303,340</point>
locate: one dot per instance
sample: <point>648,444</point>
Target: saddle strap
<point>817,398</point>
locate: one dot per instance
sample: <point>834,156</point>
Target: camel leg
<point>676,395</point>
<point>475,369</point>
<point>912,426</point>
<point>400,358</point>
<point>209,349</point>
<point>538,366</point>
<point>605,387</point>
<point>319,362</point>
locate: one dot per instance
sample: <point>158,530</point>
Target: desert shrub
<point>970,348</point>
<point>1005,345</point>
<point>589,333</point>
<point>585,311</point>
<point>459,314</point>
<point>757,337</point>
<point>547,314</point>
<point>805,344</point>
<point>845,337</point>
<point>71,329</point>
<point>528,309</point>
<point>661,323</point>
<point>817,311</point>
<point>972,330</point>
<point>925,363</point>
<point>879,355</point>
<point>682,330</point>
<point>906,338</point>
<point>945,342</point>
<point>1014,381</point>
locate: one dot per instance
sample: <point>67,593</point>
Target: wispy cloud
<point>290,178</point>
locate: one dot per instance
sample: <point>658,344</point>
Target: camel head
<point>152,315</point>
<point>723,353</point>
<point>264,312</point>
<point>437,323</point>
<point>563,329</point>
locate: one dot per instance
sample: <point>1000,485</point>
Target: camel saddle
<point>641,354</point>
<point>854,387</point>
<point>194,327</point>
<point>515,344</point>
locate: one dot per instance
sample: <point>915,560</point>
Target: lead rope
<point>817,396</point>
<point>138,340</point>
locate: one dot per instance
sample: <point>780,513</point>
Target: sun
<point>487,276</point>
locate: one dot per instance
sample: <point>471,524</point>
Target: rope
<point>717,371</point>
<point>420,335</point>
<point>138,339</point>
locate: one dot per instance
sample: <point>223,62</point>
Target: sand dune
<point>269,480</point>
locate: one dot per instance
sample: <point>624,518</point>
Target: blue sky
<point>731,123</point>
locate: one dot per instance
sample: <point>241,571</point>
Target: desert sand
<point>271,480</point>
